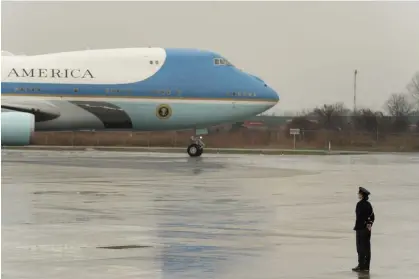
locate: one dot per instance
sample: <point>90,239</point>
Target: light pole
<point>355,73</point>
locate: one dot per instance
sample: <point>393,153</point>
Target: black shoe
<point>364,270</point>
<point>356,269</point>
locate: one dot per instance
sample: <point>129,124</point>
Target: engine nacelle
<point>16,128</point>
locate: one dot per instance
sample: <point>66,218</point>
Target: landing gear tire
<point>194,150</point>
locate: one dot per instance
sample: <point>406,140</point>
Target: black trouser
<point>363,247</point>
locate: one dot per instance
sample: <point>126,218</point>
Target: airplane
<point>137,89</point>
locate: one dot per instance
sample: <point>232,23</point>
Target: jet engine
<point>16,128</point>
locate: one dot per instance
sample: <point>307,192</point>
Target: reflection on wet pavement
<point>219,216</point>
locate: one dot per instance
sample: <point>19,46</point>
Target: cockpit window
<point>222,61</point>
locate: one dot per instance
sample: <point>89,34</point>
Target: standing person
<point>364,219</point>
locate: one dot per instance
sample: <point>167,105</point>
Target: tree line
<point>397,117</point>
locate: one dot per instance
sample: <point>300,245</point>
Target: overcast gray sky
<point>307,51</point>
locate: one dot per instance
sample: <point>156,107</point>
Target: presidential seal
<point>163,111</point>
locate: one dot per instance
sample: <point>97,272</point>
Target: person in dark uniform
<point>365,217</point>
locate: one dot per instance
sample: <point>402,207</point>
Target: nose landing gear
<point>197,147</point>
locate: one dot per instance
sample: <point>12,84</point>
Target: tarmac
<point>264,151</point>
<point>98,214</point>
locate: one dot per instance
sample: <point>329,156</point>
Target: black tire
<point>194,150</point>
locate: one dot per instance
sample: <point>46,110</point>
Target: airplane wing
<point>42,111</point>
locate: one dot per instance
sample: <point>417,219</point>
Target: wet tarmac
<point>93,214</point>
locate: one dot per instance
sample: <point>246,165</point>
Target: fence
<point>240,138</point>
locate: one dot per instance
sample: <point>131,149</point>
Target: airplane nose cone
<point>275,95</point>
<point>267,92</point>
<point>272,94</point>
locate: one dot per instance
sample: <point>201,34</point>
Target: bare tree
<point>366,119</point>
<point>413,87</point>
<point>398,105</point>
<point>332,116</point>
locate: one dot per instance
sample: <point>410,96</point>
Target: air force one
<point>139,89</point>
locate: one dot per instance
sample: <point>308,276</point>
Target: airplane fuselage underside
<point>141,115</point>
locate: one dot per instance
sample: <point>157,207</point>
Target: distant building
<point>271,122</point>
